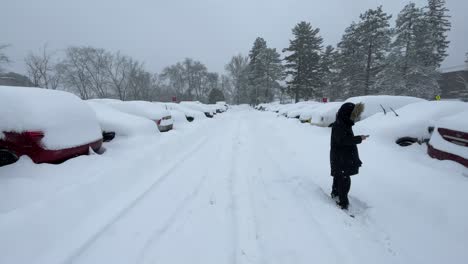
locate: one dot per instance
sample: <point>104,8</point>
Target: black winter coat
<point>344,155</point>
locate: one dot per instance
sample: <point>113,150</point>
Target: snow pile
<point>374,103</point>
<point>140,108</point>
<point>63,117</point>
<point>458,122</point>
<point>123,124</point>
<point>325,114</point>
<point>295,110</point>
<point>413,120</point>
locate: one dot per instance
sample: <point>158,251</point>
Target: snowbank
<point>64,118</point>
<point>413,120</point>
<point>374,103</point>
<point>458,122</point>
<point>123,124</point>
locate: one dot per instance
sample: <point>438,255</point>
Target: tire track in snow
<point>246,244</point>
<point>182,207</point>
<point>120,213</point>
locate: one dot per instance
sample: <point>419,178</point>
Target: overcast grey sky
<point>161,33</point>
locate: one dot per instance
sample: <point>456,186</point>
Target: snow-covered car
<point>190,114</point>
<point>295,112</point>
<point>286,108</point>
<point>207,110</point>
<point>307,112</point>
<point>382,103</point>
<point>449,141</point>
<point>324,114</point>
<point>410,123</point>
<point>224,106</point>
<point>219,108</point>
<point>154,112</point>
<point>46,125</point>
<point>120,123</point>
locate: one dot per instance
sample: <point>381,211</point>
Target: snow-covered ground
<point>243,187</point>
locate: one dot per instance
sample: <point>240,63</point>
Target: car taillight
<point>158,122</point>
<point>34,135</point>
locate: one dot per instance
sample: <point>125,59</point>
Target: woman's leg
<point>334,192</point>
<point>344,185</point>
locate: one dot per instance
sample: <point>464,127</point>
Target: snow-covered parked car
<point>295,112</point>
<point>190,114</point>
<point>449,141</point>
<point>120,123</point>
<point>382,103</point>
<point>285,108</point>
<point>410,123</point>
<point>46,125</point>
<point>324,114</point>
<point>307,112</point>
<point>154,112</point>
<point>207,110</point>
<point>224,106</point>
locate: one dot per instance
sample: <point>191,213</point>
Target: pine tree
<point>439,25</point>
<point>216,95</point>
<point>303,62</point>
<point>264,70</point>
<point>350,63</point>
<point>328,69</point>
<point>362,51</point>
<point>407,71</point>
<point>273,72</point>
<point>374,37</point>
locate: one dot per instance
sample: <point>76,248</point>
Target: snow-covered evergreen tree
<point>374,37</point>
<point>362,51</point>
<point>303,62</point>
<point>439,25</point>
<point>407,71</point>
<point>350,61</point>
<point>264,70</point>
<point>329,73</point>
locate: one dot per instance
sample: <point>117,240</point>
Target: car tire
<point>406,141</point>
<point>7,157</point>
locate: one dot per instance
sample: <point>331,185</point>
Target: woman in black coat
<point>344,155</point>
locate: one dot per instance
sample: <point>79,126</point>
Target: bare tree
<point>237,71</point>
<point>3,57</point>
<point>42,70</point>
<point>119,69</point>
<point>85,69</point>
<point>74,73</point>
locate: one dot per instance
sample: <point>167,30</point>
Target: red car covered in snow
<point>449,140</point>
<point>48,126</point>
